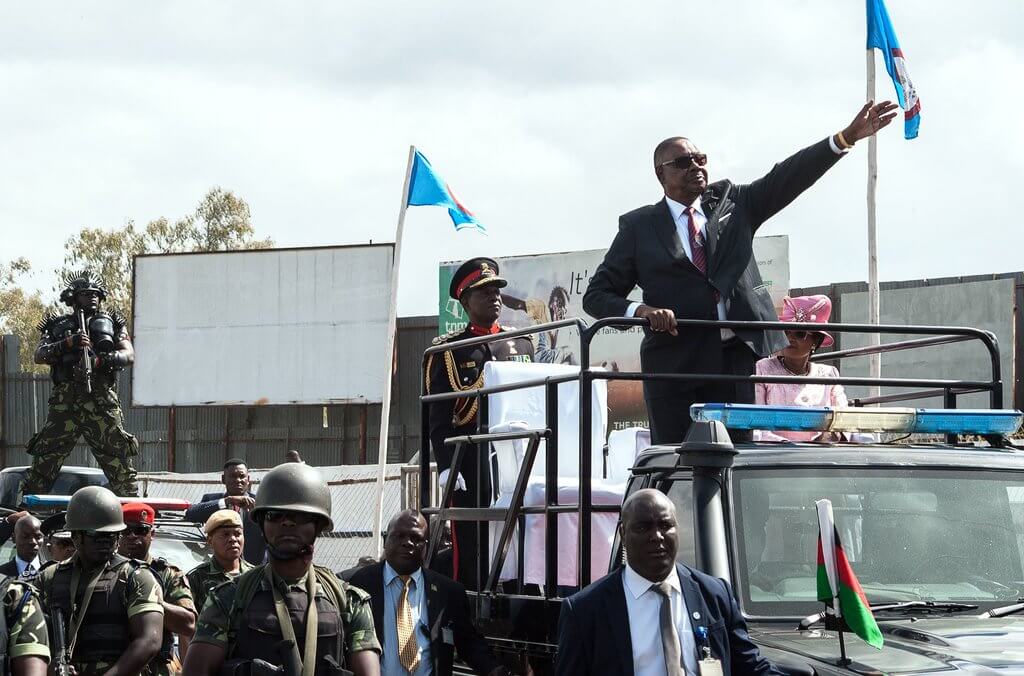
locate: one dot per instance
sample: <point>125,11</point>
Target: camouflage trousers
<point>97,417</point>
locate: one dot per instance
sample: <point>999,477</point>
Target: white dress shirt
<point>643,605</point>
<point>22,565</point>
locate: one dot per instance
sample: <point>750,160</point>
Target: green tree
<point>20,311</point>
<point>221,222</point>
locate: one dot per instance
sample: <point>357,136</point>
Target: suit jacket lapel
<point>695,606</point>
<point>377,601</point>
<point>667,233</point>
<point>616,602</point>
<point>713,203</point>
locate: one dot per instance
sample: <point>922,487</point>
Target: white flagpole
<point>385,407</point>
<point>875,360</point>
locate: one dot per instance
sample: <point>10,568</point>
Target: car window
<point>184,552</point>
<point>681,494</point>
<point>912,535</point>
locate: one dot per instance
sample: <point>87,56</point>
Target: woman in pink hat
<point>795,360</point>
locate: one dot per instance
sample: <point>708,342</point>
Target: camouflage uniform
<point>206,576</point>
<point>176,591</point>
<point>220,627</point>
<point>127,588</point>
<point>26,632</point>
<point>73,412</point>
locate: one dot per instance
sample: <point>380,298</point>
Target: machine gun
<point>61,661</point>
<point>290,664</point>
<point>85,367</point>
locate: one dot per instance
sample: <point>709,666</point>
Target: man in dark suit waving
<point>421,617</point>
<point>654,616</point>
<point>692,254</point>
<point>236,496</point>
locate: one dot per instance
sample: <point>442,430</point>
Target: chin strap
<point>303,553</point>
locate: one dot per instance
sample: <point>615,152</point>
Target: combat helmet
<point>81,280</point>
<point>95,508</point>
<point>294,487</point>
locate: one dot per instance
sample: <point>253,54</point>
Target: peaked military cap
<point>473,274</point>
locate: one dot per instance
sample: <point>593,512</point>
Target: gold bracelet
<point>843,142</point>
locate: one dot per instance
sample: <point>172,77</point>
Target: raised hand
<point>869,119</point>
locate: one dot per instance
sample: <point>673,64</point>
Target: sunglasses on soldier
<point>140,529</point>
<point>279,515</point>
<point>683,161</point>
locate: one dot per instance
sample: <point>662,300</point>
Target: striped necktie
<point>408,650</point>
<point>29,573</point>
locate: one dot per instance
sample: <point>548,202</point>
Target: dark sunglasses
<point>299,518</point>
<point>684,161</point>
<point>802,335</point>
<point>101,534</point>
<point>141,530</point>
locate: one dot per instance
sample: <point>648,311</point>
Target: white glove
<point>442,480</point>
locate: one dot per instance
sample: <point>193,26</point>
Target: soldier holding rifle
<point>85,350</point>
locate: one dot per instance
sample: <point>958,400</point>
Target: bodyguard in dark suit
<point>692,254</point>
<point>421,617</point>
<point>647,618</point>
<point>28,539</point>
<point>236,496</point>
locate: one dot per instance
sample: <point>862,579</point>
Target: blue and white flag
<point>881,36</point>
<point>426,188</point>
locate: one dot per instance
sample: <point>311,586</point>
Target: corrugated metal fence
<point>200,439</point>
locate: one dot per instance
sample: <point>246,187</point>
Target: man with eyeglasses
<point>84,401</point>
<point>179,607</point>
<point>287,611</point>
<point>421,617</point>
<point>111,606</point>
<point>692,255</point>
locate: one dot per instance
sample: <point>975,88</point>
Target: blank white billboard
<point>276,326</point>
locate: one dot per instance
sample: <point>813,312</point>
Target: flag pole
<point>843,659</point>
<point>389,355</point>
<point>875,360</point>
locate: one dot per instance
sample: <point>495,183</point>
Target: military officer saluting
<point>477,286</point>
<point>84,366</point>
<point>179,608</point>
<point>288,611</point>
<point>24,649</point>
<point>112,606</point>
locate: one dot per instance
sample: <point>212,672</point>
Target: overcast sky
<point>541,116</point>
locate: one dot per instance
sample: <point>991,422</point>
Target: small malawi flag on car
<point>837,585</point>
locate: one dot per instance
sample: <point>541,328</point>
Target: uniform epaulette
<point>117,316</point>
<point>445,338</point>
<point>48,320</point>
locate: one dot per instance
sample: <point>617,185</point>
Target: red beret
<point>138,512</point>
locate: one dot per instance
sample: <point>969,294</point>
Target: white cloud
<point>542,116</point>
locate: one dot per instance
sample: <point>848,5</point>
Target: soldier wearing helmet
<point>84,403</point>
<point>112,606</point>
<point>287,611</point>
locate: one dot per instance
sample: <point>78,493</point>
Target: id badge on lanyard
<point>709,665</point>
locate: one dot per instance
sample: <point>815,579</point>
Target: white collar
<point>677,208</point>
<point>637,584</point>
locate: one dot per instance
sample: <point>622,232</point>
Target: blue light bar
<point>897,420</point>
<point>43,501</point>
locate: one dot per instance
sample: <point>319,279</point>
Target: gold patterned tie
<point>408,650</point>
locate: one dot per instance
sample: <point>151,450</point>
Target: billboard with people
<point>548,287</point>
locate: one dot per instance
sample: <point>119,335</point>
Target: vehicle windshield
<point>909,535</point>
<point>181,548</point>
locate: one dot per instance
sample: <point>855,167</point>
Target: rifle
<point>85,368</point>
<point>61,661</point>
